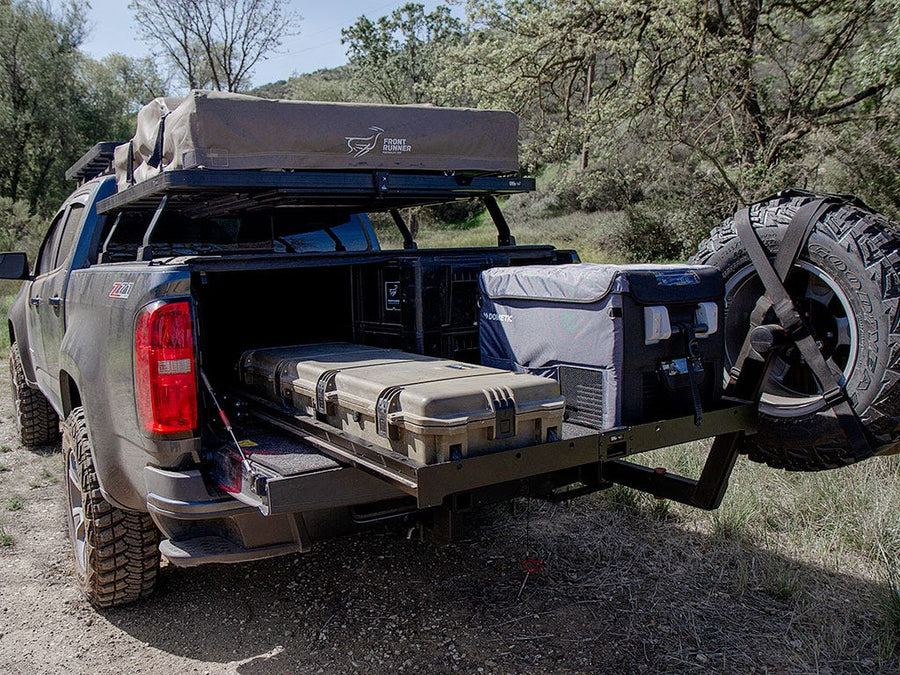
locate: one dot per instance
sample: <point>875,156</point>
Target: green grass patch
<point>843,519</point>
<point>6,539</point>
<point>5,301</point>
<point>15,503</point>
<point>532,220</point>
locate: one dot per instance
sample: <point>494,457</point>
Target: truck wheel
<point>36,421</point>
<point>846,285</point>
<point>116,551</point>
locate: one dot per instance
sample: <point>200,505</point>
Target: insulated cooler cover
<point>429,409</point>
<point>584,325</point>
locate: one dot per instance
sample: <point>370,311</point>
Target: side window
<point>47,254</point>
<point>69,230</point>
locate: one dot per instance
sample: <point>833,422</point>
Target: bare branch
<point>215,41</point>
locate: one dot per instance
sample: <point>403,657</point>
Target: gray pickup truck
<point>145,301</point>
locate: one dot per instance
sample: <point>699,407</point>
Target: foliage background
<point>645,121</point>
<point>652,120</point>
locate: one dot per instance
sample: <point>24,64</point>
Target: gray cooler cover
<point>220,130</point>
<point>536,318</point>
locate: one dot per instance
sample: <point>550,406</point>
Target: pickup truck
<point>142,301</point>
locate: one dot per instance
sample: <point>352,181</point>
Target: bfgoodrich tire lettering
<point>846,285</point>
<point>116,551</point>
<point>36,421</point>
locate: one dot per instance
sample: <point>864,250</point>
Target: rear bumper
<point>184,495</point>
<point>203,525</point>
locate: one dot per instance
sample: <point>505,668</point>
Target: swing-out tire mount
<point>844,283</point>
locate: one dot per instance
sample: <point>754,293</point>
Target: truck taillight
<point>165,377</point>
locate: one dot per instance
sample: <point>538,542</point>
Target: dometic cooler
<point>628,343</point>
<point>429,409</point>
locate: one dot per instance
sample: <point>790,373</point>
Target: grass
<point>5,301</point>
<point>590,234</point>
<point>846,520</point>
<point>6,539</point>
<point>15,503</point>
<point>892,598</point>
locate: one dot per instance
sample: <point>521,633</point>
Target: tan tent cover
<point>219,130</point>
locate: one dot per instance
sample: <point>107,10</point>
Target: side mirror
<point>14,266</point>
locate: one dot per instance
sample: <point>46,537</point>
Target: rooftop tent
<point>220,130</point>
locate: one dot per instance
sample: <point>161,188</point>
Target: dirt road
<point>622,590</point>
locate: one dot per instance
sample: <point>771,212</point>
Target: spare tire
<point>845,284</point>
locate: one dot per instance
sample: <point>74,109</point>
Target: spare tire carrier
<point>777,299</point>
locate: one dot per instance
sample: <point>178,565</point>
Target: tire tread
<point>37,422</point>
<point>123,546</point>
<point>875,241</point>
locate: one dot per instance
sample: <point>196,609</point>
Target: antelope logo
<point>363,145</point>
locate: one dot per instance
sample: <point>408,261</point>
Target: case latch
<point>386,404</point>
<point>324,384</point>
<point>504,406</point>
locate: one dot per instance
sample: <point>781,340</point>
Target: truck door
<point>46,316</point>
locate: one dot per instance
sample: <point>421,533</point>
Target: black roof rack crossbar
<point>96,161</point>
<point>373,191</point>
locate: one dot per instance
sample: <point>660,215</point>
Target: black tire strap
<point>798,232</point>
<point>777,297</point>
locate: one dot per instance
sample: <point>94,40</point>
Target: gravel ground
<point>621,591</point>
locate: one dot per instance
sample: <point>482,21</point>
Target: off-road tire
<point>36,421</point>
<point>853,252</point>
<point>116,552</point>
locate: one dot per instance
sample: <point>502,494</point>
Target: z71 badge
<point>121,289</point>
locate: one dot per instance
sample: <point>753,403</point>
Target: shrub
<point>676,215</point>
<point>605,189</point>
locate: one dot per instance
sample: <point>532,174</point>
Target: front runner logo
<point>363,145</point>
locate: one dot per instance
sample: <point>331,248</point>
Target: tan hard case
<point>428,409</point>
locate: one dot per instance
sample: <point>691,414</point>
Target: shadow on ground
<point>619,592</point>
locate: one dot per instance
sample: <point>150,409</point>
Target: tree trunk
<point>588,94</point>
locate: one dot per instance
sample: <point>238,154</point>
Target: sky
<point>317,46</point>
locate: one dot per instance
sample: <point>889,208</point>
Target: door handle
<point>55,301</point>
<point>36,302</point>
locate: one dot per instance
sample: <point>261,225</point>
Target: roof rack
<point>96,161</point>
<point>211,192</point>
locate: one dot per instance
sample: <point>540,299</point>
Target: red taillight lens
<point>164,369</point>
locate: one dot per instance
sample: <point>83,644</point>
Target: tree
<point>215,43</point>
<point>112,91</point>
<point>395,58</point>
<point>132,81</point>
<point>743,88</point>
<point>39,91</point>
<point>55,103</point>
